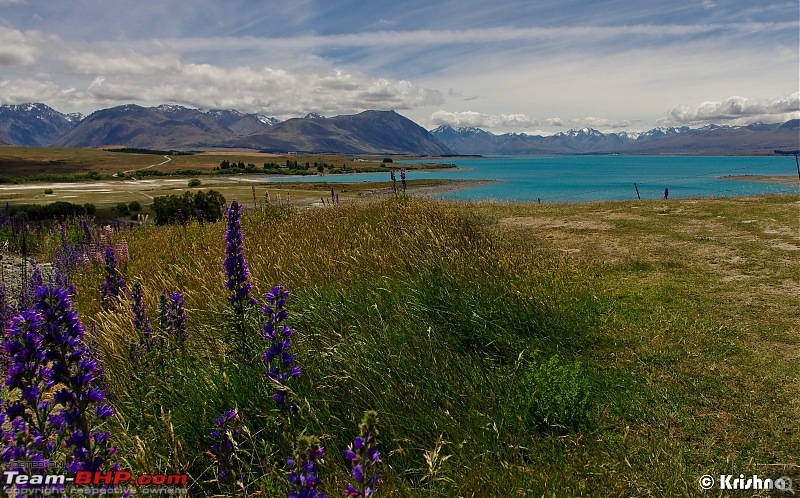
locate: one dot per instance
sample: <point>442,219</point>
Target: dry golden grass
<point>687,309</point>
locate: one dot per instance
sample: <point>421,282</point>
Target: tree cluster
<point>204,205</point>
<point>54,210</point>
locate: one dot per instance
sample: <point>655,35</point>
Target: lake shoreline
<point>429,189</point>
<point>783,179</point>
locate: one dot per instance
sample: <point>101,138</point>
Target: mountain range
<point>369,132</point>
<point>34,125</point>
<point>758,138</point>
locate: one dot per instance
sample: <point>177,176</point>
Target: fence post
<point>637,191</point>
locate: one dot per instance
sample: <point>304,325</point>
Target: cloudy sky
<point>525,66</point>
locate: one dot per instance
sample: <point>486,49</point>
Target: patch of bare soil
<point>554,223</point>
<point>784,246</point>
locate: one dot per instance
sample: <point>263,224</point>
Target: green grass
<point>608,349</point>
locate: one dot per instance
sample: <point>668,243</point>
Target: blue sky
<point>524,66</point>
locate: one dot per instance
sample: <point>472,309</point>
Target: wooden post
<point>637,191</point>
<point>797,162</point>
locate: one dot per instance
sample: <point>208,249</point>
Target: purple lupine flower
<point>199,215</point>
<point>140,320</point>
<point>224,444</point>
<point>113,284</point>
<point>36,280</point>
<point>181,219</point>
<point>47,349</point>
<point>75,368</point>
<point>86,231</point>
<point>303,473</point>
<point>277,356</point>
<point>364,458</point>
<point>163,312</point>
<point>236,271</point>
<point>141,323</point>
<point>176,317</point>
<point>171,318</point>
<point>68,259</point>
<point>28,433</point>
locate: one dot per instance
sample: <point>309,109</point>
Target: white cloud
<point>276,92</point>
<point>603,123</point>
<point>517,121</point>
<point>403,38</point>
<point>18,48</point>
<point>119,62</point>
<point>29,90</point>
<point>479,120</point>
<point>737,110</point>
<point>107,74</point>
<point>561,63</point>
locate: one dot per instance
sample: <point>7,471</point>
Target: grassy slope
<point>24,161</point>
<point>681,318</point>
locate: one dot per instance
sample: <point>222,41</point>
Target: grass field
<point>18,162</point>
<point>603,349</point>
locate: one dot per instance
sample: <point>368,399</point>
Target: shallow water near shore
<point>598,178</point>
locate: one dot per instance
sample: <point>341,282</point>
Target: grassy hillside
<point>21,162</point>
<point>607,349</point>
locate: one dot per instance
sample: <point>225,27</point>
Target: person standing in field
<point>666,193</point>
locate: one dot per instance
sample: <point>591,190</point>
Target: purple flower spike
<point>46,348</point>
<point>364,458</point>
<point>279,360</point>
<point>177,318</point>
<point>225,437</point>
<point>303,468</point>
<point>140,322</point>
<point>114,284</point>
<point>236,270</point>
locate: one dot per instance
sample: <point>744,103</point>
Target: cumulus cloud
<point>119,62</point>
<point>736,111</point>
<point>278,92</point>
<point>603,123</point>
<point>30,90</point>
<point>516,121</point>
<point>18,48</point>
<point>479,120</point>
<point>108,75</point>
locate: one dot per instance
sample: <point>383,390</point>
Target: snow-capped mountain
<point>34,124</point>
<point>267,120</point>
<point>716,139</point>
<point>582,133</point>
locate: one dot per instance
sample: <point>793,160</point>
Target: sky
<point>536,67</point>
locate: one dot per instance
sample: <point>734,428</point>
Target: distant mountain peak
<point>460,130</point>
<point>34,124</point>
<point>267,120</point>
<point>313,115</point>
<point>171,108</point>
<point>582,133</point>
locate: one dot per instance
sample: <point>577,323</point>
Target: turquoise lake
<point>596,178</point>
